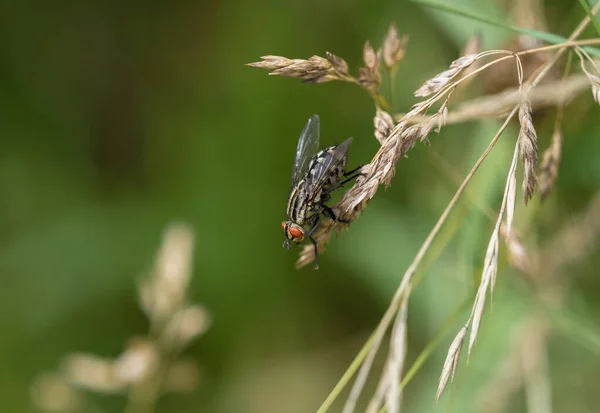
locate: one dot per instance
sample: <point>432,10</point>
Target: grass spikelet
<point>393,48</point>
<point>451,362</point>
<point>316,69</point>
<point>594,79</point>
<point>440,80</point>
<point>338,64</point>
<point>383,124</point>
<point>549,165</point>
<point>369,76</point>
<point>528,150</point>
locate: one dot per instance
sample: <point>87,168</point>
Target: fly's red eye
<point>283,225</point>
<point>296,233</point>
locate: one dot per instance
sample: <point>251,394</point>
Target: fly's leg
<point>329,212</point>
<point>354,170</point>
<point>312,230</point>
<point>356,175</point>
<point>348,180</point>
<point>316,266</point>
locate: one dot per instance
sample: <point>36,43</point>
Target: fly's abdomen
<point>299,209</point>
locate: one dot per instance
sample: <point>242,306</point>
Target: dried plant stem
<point>563,47</point>
<point>490,106</point>
<point>509,55</point>
<point>408,275</point>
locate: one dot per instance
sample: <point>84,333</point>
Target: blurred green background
<point>117,118</point>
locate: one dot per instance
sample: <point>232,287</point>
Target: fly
<point>314,177</point>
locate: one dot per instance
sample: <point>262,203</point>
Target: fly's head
<point>292,232</point>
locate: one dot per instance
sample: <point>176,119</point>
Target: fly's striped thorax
<point>335,171</point>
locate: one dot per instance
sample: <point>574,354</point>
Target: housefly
<point>315,175</point>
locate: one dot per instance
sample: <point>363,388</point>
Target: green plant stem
<point>586,7</point>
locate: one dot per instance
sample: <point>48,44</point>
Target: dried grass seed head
<point>165,290</point>
<point>595,83</point>
<point>383,124</point>
<point>185,326</point>
<point>369,76</point>
<point>393,48</point>
<point>139,361</point>
<point>549,165</point>
<point>594,79</point>
<point>316,69</point>
<point>339,64</point>
<point>528,150</point>
<point>92,372</point>
<point>439,81</point>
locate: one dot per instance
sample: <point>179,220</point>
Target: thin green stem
<point>586,7</point>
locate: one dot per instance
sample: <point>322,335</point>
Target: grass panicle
<point>397,134</point>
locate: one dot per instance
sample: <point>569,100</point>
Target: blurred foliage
<point>117,118</point>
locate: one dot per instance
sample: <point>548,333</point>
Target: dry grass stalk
<point>550,163</point>
<point>528,150</point>
<point>488,279</point>
<point>490,268</point>
<point>389,388</point>
<point>527,132</point>
<point>491,106</point>
<point>405,284</point>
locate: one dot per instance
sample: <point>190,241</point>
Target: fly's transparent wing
<point>307,147</point>
<point>322,170</point>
